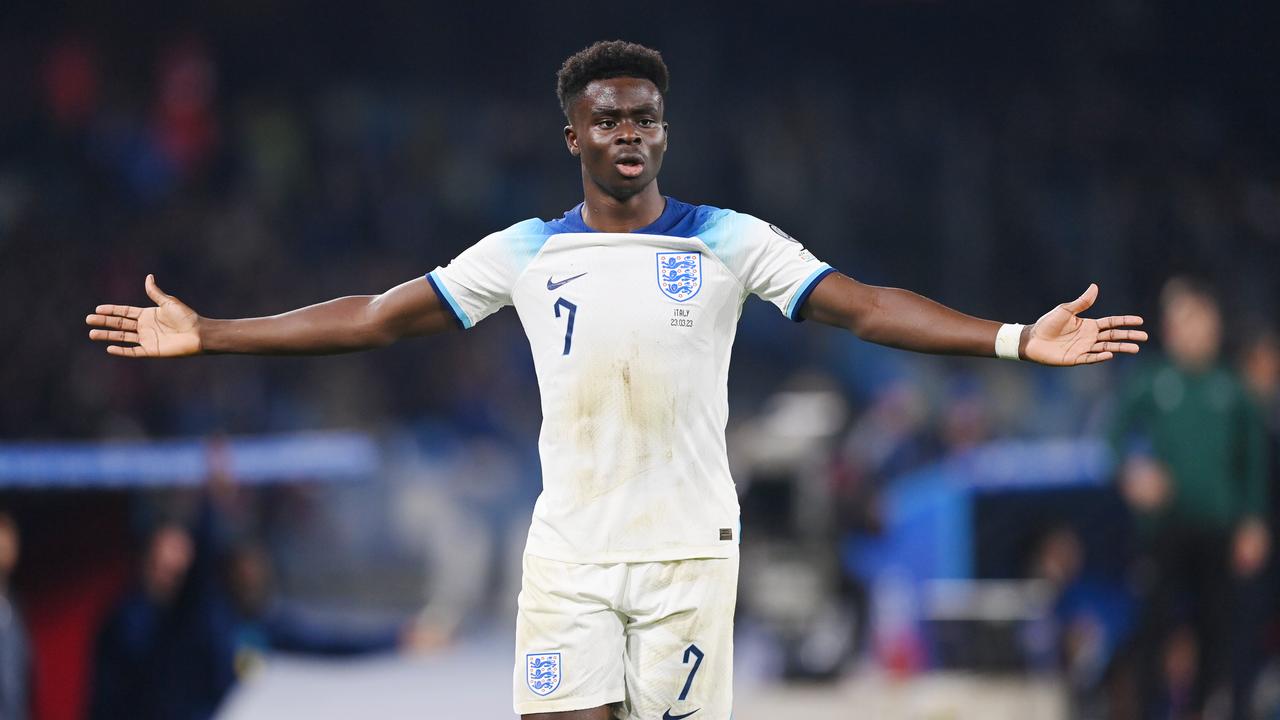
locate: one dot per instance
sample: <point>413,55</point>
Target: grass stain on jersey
<point>624,425</point>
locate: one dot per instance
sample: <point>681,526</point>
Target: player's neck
<point>605,213</point>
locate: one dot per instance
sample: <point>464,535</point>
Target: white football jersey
<point>631,334</point>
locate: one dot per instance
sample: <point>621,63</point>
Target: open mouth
<point>630,166</point>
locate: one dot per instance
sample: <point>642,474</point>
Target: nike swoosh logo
<point>554,285</point>
<point>668,716</point>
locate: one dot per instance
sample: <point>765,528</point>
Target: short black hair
<point>609,59</point>
<point>1180,286</point>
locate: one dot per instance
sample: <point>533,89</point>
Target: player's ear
<point>571,141</point>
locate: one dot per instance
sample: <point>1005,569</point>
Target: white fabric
<point>1007,340</point>
<point>629,633</point>
<point>634,400</point>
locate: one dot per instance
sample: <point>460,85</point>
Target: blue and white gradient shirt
<point>631,335</point>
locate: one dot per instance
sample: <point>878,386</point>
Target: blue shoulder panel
<point>717,230</point>
<point>714,228</point>
<point>523,240</point>
<point>527,237</point>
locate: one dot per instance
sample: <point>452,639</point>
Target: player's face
<point>616,128</point>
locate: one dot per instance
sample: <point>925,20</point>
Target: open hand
<point>170,329</point>
<point>1060,337</point>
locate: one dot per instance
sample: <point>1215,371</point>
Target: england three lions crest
<point>543,673</point>
<point>680,274</point>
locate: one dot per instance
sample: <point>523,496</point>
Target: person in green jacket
<point>1191,452</point>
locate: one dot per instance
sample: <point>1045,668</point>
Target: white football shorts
<point>654,637</point>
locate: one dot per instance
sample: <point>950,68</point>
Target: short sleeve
<point>479,281</point>
<point>768,262</point>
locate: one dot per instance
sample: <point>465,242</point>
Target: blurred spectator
<point>205,614</point>
<point>15,649</point>
<point>144,648</point>
<point>1193,469</point>
<point>1093,621</point>
<point>1260,365</point>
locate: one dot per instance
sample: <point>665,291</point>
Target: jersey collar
<point>674,216</point>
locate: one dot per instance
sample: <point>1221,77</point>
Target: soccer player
<point>630,303</point>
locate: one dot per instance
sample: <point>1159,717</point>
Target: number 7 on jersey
<point>568,331</point>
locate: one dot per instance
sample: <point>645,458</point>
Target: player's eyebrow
<point>648,107</point>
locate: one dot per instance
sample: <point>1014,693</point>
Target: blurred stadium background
<point>903,515</point>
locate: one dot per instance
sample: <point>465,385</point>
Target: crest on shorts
<point>680,274</point>
<point>542,671</point>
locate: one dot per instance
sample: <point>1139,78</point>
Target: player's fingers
<point>1134,335</point>
<point>114,336</point>
<point>115,322</point>
<point>1084,302</point>
<point>154,292</point>
<point>1114,347</point>
<point>1090,358</point>
<point>1114,321</point>
<point>134,351</point>
<point>128,311</point>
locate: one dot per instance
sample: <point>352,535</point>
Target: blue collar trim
<point>678,219</point>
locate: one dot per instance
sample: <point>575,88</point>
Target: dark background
<point>258,156</point>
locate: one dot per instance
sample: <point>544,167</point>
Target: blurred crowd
<point>253,178</point>
<point>995,158</point>
<point>203,611</point>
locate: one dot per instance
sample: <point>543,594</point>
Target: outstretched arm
<point>357,322</point>
<point>903,319</point>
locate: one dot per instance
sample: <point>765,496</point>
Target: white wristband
<point>1007,341</point>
